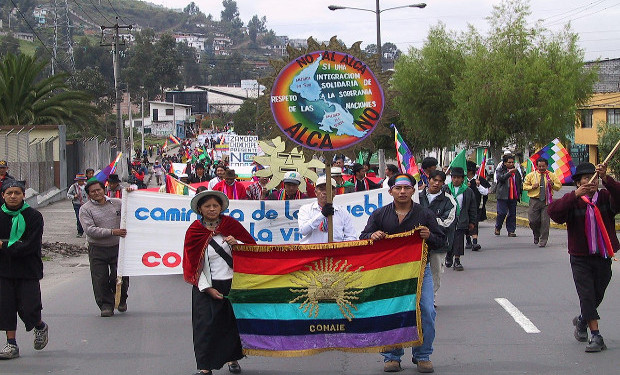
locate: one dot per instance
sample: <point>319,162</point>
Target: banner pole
<point>120,264</point>
<point>183,183</point>
<point>330,200</point>
<point>613,151</point>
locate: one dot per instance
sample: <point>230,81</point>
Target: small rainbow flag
<point>165,144</point>
<point>482,171</point>
<point>103,175</point>
<point>174,186</point>
<point>406,160</point>
<point>360,296</point>
<point>560,161</point>
<point>174,139</point>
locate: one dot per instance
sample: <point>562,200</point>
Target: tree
<point>256,26</point>
<point>519,85</point>
<point>165,63</point>
<point>231,22</point>
<point>9,44</point>
<point>190,69</point>
<point>27,100</point>
<point>245,118</point>
<point>424,80</point>
<point>191,9</point>
<point>608,136</point>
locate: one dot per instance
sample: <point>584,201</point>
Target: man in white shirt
<point>220,170</point>
<point>312,218</point>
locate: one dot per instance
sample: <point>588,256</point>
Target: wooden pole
<point>329,188</point>
<point>613,151</point>
<point>184,184</point>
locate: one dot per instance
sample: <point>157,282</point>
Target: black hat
<point>356,168</point>
<point>471,166</point>
<point>9,183</point>
<point>457,172</point>
<point>3,164</point>
<point>114,178</point>
<point>583,168</point>
<point>200,166</point>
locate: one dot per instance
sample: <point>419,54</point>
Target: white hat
<point>183,175</point>
<point>292,177</point>
<point>323,180</point>
<point>336,171</point>
<point>198,197</point>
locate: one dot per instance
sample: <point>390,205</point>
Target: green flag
<point>528,168</point>
<point>360,158</point>
<point>460,161</point>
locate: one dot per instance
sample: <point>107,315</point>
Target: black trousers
<point>19,296</point>
<point>76,208</point>
<point>458,245</point>
<point>103,266</point>
<point>591,275</point>
<point>216,336</point>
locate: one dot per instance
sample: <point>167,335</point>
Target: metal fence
<point>88,153</point>
<point>30,159</point>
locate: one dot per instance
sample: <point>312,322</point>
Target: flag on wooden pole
<point>559,160</point>
<point>406,160</point>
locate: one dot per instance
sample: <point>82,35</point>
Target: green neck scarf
<point>18,226</point>
<point>456,193</point>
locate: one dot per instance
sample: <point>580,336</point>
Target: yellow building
<point>603,107</point>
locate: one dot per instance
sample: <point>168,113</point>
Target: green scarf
<point>455,194</point>
<point>18,226</point>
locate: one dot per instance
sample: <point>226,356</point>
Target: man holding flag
<point>589,214</point>
<point>540,185</point>
<point>508,191</point>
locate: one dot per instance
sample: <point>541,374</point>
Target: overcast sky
<point>596,21</point>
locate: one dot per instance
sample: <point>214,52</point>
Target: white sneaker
<point>9,351</point>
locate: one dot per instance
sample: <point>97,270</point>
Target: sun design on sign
<point>280,162</point>
<point>327,281</point>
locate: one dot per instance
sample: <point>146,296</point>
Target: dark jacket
<point>469,211</point>
<point>502,190</point>
<point>386,220</point>
<point>23,259</point>
<point>481,200</point>
<point>572,210</point>
<point>444,208</point>
<point>195,178</point>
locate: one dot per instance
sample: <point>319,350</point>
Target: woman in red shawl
<point>207,265</point>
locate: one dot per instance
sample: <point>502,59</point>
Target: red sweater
<point>572,210</point>
<point>230,191</point>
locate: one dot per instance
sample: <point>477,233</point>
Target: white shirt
<point>310,218</point>
<point>213,182</point>
<point>481,189</point>
<point>214,266</point>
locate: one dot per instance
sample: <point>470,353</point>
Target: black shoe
<point>596,344</point>
<point>581,329</point>
<point>122,307</point>
<point>476,247</point>
<point>448,262</point>
<point>457,265</point>
<point>468,245</point>
<point>106,313</point>
<point>536,241</point>
<point>234,367</point>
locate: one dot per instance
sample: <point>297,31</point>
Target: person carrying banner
<point>480,186</point>
<point>443,205</point>
<point>101,220</point>
<point>231,187</point>
<point>540,185</point>
<point>257,190</point>
<point>403,215</point>
<point>589,214</point>
<point>312,218</point>
<point>21,269</point>
<point>291,191</point>
<point>508,192</point>
<point>114,188</point>
<point>78,197</point>
<point>208,266</point>
<point>199,175</point>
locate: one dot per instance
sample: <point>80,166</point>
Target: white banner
<point>179,168</point>
<point>156,224</point>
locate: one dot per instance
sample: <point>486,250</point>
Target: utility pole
<point>54,49</point>
<point>142,111</point>
<point>131,149</point>
<point>117,70</point>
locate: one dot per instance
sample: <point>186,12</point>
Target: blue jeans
<point>427,311</point>
<point>506,209</point>
<point>76,208</point>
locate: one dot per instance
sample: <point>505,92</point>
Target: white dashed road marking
<point>517,315</point>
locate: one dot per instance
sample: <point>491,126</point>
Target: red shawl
<point>196,239</point>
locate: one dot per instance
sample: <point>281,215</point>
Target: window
<point>613,116</point>
<point>169,111</point>
<point>155,114</point>
<point>586,118</point>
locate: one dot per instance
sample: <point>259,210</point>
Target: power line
<point>99,11</point>
<point>85,12</point>
<point>39,38</point>
<point>119,16</point>
<point>579,9</point>
<point>555,23</point>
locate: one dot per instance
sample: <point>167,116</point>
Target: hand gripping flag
<point>406,160</point>
<point>482,171</point>
<point>560,161</point>
<point>358,296</point>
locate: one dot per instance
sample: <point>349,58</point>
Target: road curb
<point>524,222</point>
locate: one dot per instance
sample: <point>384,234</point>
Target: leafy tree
<point>9,44</point>
<point>424,80</point>
<point>231,22</point>
<point>91,81</point>
<point>26,100</point>
<point>256,26</point>
<point>191,9</point>
<point>165,63</point>
<point>245,118</point>
<point>190,69</point>
<point>608,136</point>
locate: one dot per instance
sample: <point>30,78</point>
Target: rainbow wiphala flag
<point>560,161</point>
<point>406,160</point>
<point>361,296</point>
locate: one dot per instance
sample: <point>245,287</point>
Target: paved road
<point>475,335</point>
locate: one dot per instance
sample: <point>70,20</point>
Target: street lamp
<point>377,11</point>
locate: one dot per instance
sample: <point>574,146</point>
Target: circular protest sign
<point>327,100</point>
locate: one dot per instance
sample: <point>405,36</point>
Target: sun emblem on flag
<point>326,281</point>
